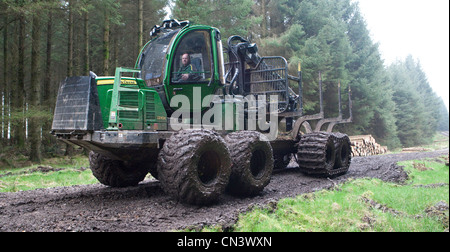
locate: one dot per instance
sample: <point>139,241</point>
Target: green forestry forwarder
<point>198,125</point>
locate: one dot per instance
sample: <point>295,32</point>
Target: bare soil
<point>146,208</point>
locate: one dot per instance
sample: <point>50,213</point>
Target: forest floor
<point>92,208</point>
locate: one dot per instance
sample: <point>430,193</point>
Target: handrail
<point>114,108</point>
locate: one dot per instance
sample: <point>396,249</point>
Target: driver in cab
<point>187,70</point>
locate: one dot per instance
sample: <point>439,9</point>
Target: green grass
<point>63,172</point>
<point>362,205</point>
<point>35,180</point>
<point>439,142</point>
<point>429,171</point>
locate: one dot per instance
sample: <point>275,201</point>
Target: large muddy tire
<point>324,154</point>
<point>343,153</point>
<point>316,154</point>
<point>116,173</point>
<point>253,162</point>
<point>194,166</point>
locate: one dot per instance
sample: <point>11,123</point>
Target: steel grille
<point>270,78</point>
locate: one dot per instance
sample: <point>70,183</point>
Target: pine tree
<point>373,105</point>
<point>443,122</point>
<point>231,16</point>
<point>36,86</point>
<point>411,112</point>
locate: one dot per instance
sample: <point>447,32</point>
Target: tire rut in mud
<point>147,208</point>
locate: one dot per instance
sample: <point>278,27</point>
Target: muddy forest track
<point>146,208</point>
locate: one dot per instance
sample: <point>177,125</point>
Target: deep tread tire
<point>194,166</point>
<point>317,153</point>
<point>253,162</point>
<point>343,153</point>
<point>324,154</point>
<point>116,173</point>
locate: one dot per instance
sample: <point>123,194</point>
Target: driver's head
<point>186,59</point>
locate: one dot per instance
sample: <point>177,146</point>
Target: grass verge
<point>362,205</point>
<point>55,172</point>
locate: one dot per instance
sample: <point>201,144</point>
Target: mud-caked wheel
<point>316,154</point>
<point>194,166</point>
<point>343,153</point>
<point>324,154</point>
<point>253,162</point>
<point>116,173</point>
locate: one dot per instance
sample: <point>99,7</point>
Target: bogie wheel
<point>317,154</point>
<point>116,173</point>
<point>194,166</point>
<point>343,153</point>
<point>253,162</point>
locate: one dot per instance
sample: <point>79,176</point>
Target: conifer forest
<point>44,41</point>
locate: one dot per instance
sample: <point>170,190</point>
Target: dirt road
<point>146,208</point>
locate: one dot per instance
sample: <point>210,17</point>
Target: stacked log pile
<point>366,146</point>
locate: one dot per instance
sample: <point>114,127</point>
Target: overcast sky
<point>416,27</point>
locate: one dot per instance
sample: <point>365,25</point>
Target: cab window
<point>151,61</point>
<point>192,61</point>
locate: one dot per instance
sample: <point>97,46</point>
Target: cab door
<point>193,78</point>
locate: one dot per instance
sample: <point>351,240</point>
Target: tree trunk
<point>47,95</point>
<point>264,15</point>
<point>116,47</point>
<point>35,97</point>
<point>4,90</point>
<point>19,91</point>
<point>69,147</point>
<point>70,42</point>
<point>141,25</point>
<point>86,43</point>
<point>106,52</point>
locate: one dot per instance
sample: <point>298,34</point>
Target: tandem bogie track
<point>324,154</point>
